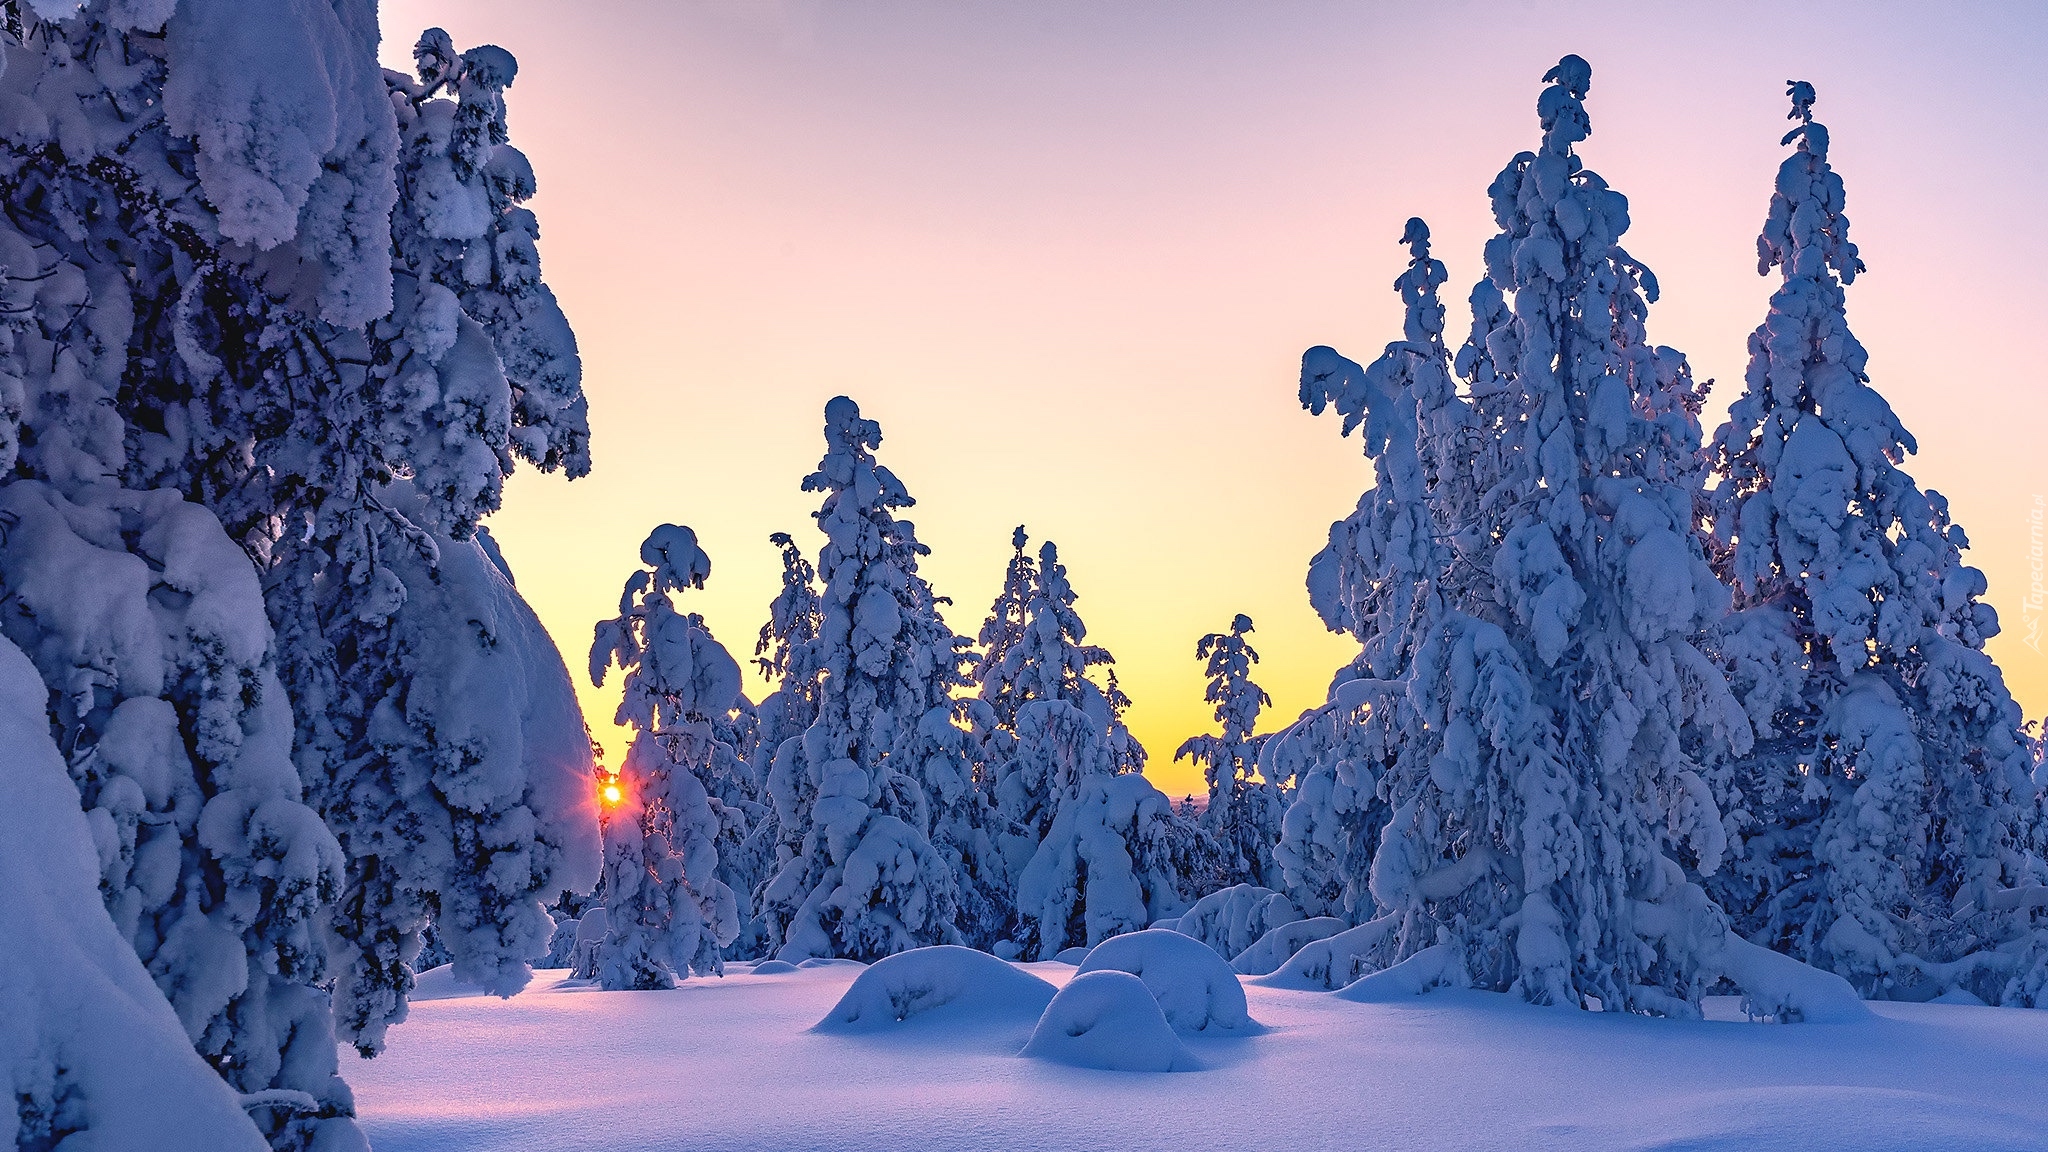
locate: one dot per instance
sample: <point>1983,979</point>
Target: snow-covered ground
<point>732,1063</point>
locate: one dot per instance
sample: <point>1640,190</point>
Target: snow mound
<point>828,962</point>
<point>945,980</point>
<point>773,968</point>
<point>1108,1020</point>
<point>590,934</point>
<point>1330,963</point>
<point>1281,944</point>
<point>440,983</point>
<point>1781,988</point>
<point>1232,919</point>
<point>1072,955</point>
<point>1195,989</point>
<point>1437,966</point>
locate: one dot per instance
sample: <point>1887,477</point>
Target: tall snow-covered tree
<point>1882,817</point>
<point>1243,814</point>
<point>667,911</point>
<point>1384,566</point>
<point>786,652</point>
<point>1092,847</point>
<point>1035,650</point>
<point>144,620</point>
<point>219,287</point>
<point>864,880</point>
<point>473,368</point>
<point>1561,725</point>
<point>1560,732</point>
<point>996,683</point>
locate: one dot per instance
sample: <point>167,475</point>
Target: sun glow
<point>611,792</point>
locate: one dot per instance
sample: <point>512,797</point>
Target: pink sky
<point>1069,255</point>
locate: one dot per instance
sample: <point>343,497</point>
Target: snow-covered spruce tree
<point>864,880</point>
<point>475,367</point>
<point>996,683</point>
<point>1883,814</point>
<point>1564,727</point>
<point>786,652</point>
<point>1384,567</point>
<point>146,625</point>
<point>667,911</point>
<point>1093,847</point>
<point>222,201</point>
<point>1035,649</point>
<point>1243,814</point>
<point>1115,856</point>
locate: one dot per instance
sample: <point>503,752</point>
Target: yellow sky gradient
<point>1069,255</point>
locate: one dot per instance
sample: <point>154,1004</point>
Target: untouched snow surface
<point>733,1064</point>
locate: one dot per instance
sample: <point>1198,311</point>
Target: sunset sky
<point>1069,256</point>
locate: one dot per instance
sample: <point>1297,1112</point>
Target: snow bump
<point>945,980</point>
<point>1194,987</point>
<point>1108,1020</point>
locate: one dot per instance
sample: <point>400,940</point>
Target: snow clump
<point>1195,988</point>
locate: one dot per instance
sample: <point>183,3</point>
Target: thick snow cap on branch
<point>295,135</point>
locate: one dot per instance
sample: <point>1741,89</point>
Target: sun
<point>611,792</point>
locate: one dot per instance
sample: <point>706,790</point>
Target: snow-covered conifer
<point>143,617</point>
<point>667,911</point>
<point>1882,817</point>
<point>474,368</point>
<point>1382,570</point>
<point>244,302</point>
<point>1115,855</point>
<point>864,880</point>
<point>1036,650</point>
<point>1243,814</point>
<point>997,678</point>
<point>1092,847</point>
<point>1560,727</point>
<point>1563,720</point>
<point>786,652</point>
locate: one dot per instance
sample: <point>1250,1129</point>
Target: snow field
<point>734,1064</point>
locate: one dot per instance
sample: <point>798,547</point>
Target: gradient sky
<point>1069,255</point>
